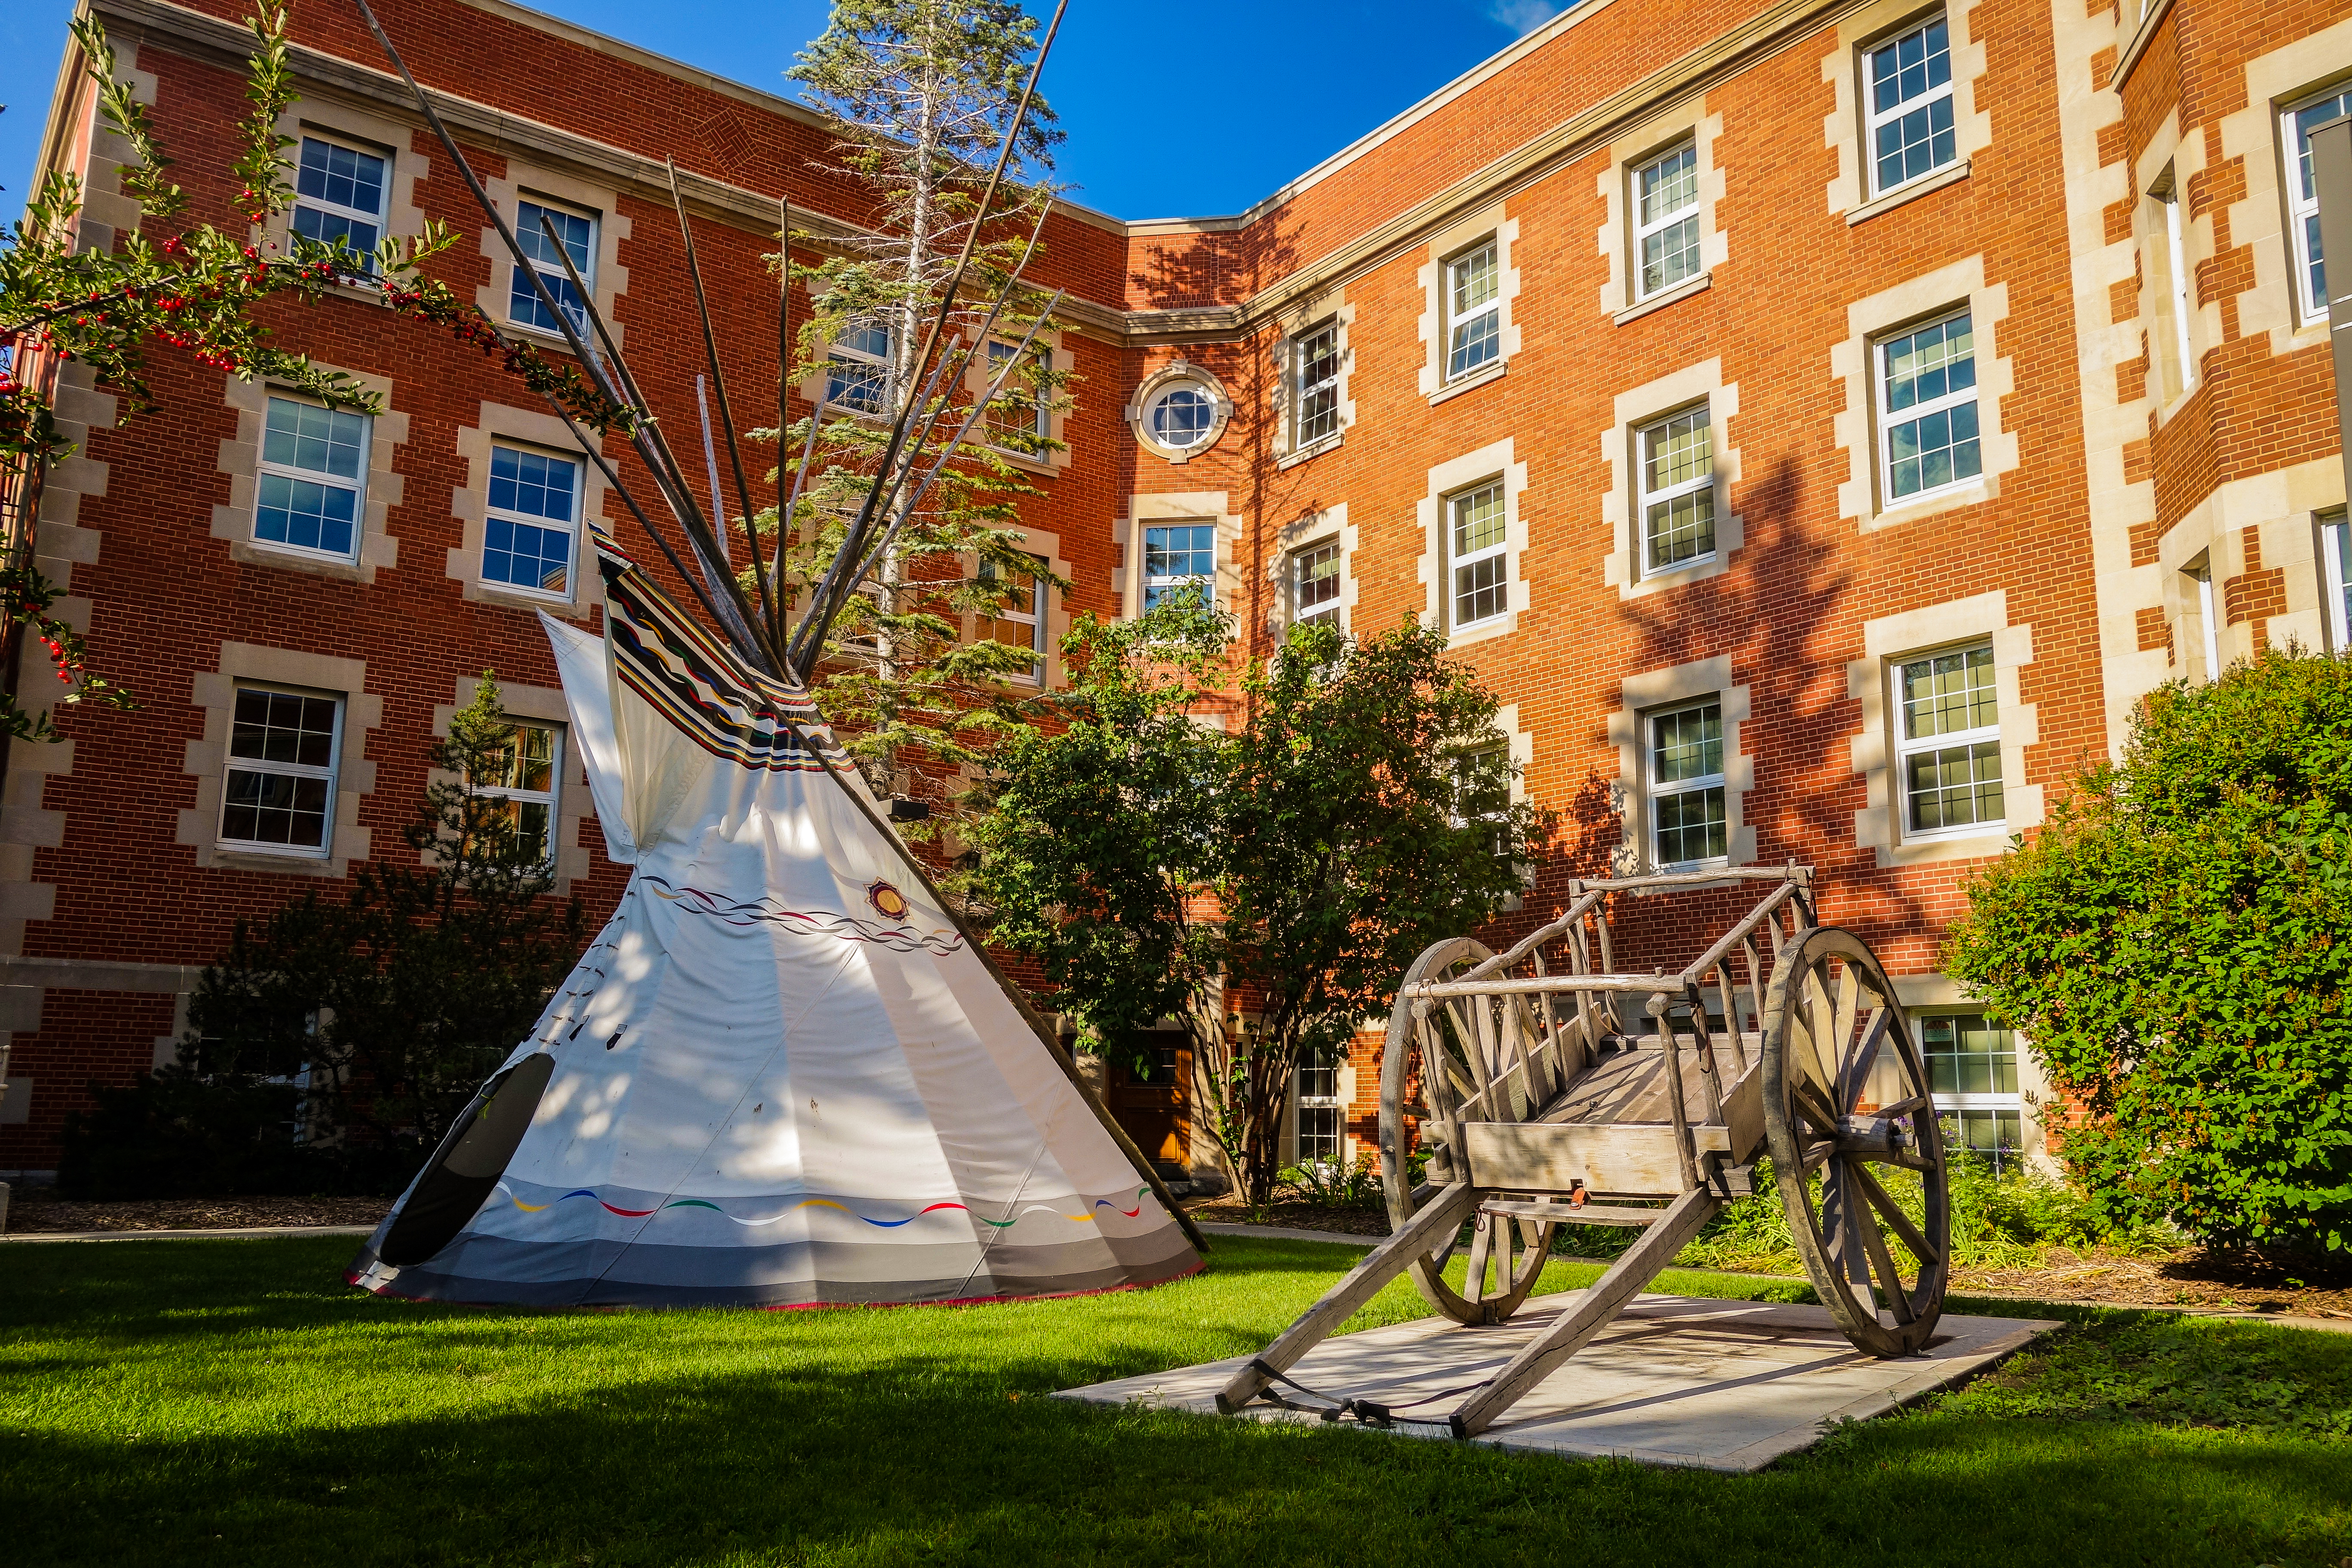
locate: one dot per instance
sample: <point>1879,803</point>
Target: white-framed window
<point>1314,384</point>
<point>1474,309</point>
<point>532,520</point>
<point>524,776</point>
<point>312,486</point>
<point>1021,415</point>
<point>578,232</point>
<point>2303,196</point>
<point>1182,417</point>
<point>857,369</point>
<point>1481,564</point>
<point>1927,409</point>
<point>1675,459</point>
<point>1972,1078</point>
<point>279,796</point>
<point>2336,577</point>
<point>1180,555</point>
<point>1950,745</point>
<point>2176,360</point>
<point>1318,1118</point>
<point>1690,824</point>
<point>2208,625</point>
<point>1020,618</point>
<point>339,193</point>
<point>1909,80</point>
<point>1315,583</point>
<point>1665,220</point>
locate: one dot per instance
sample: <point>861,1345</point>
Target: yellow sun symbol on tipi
<point>887,901</point>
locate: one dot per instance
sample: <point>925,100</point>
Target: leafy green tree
<point>2176,944</point>
<point>919,93</point>
<point>1156,867</point>
<point>397,1000</point>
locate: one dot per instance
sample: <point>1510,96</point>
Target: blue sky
<point>1172,111</point>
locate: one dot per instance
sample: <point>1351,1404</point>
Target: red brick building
<point>1820,422</point>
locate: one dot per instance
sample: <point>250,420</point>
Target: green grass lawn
<point>233,1401</point>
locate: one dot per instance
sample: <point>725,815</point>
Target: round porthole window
<point>1180,411</point>
<point>1183,416</point>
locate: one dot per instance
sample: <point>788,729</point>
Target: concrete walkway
<point>244,1233</point>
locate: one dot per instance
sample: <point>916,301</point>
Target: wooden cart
<point>1552,1089</point>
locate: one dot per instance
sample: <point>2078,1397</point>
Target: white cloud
<point>1524,16</point>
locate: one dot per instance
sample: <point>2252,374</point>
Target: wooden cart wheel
<point>1447,1053</point>
<point>1836,1041</point>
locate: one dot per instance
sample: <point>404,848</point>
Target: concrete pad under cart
<point>1675,1380</point>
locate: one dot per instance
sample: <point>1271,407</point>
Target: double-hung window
<point>522,778</point>
<point>1482,793</point>
<point>1482,589</point>
<point>1909,80</point>
<point>858,370</point>
<point>577,231</point>
<point>2199,574</point>
<point>1017,416</point>
<point>279,796</point>
<point>2303,197</point>
<point>1315,583</point>
<point>1665,227</point>
<point>1950,745</point>
<point>2176,362</point>
<point>1927,408</point>
<point>1676,461</point>
<point>1689,823</point>
<point>1314,384</point>
<point>533,518</point>
<point>1473,310</point>
<point>1315,1100</point>
<point>2335,576</point>
<point>1019,618</point>
<point>339,196</point>
<point>1178,557</point>
<point>313,479</point>
<point>1972,1078</point>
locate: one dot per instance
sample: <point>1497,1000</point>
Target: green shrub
<point>176,1133</point>
<point>2176,944</point>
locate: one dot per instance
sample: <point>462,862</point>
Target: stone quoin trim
<point>497,425</point>
<point>1057,615</point>
<point>544,705</point>
<point>1855,363</point>
<point>1431,514</point>
<point>525,181</point>
<point>1639,696</point>
<point>1328,526</point>
<point>1176,374</point>
<point>335,120</point>
<point>1622,297</point>
<point>2253,141</point>
<point>1293,328</point>
<point>376,548</point>
<point>1178,506</point>
<point>1691,387</point>
<point>1871,681</point>
<point>206,759</point>
<point>1046,344</point>
<point>1843,129</point>
<point>1457,239</point>
<point>2257,536</point>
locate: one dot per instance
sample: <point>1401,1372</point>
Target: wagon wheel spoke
<point>1815,1109</point>
<point>1897,1220</point>
<point>1904,1107</point>
<point>1814,1017</point>
<point>1881,1262</point>
<point>1849,1002</point>
<point>1856,1076</point>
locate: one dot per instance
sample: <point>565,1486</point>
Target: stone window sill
<point>1471,382</point>
<point>1329,444</point>
<point>247,552</point>
<point>1951,174</point>
<point>1681,291</point>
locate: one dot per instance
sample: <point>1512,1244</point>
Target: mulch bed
<point>2191,1277</point>
<point>38,1209</point>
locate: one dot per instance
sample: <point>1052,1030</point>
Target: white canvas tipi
<point>781,1075</point>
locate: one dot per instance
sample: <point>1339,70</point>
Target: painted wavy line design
<point>590,1193</point>
<point>817,923</point>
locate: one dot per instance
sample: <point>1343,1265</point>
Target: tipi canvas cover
<point>780,1076</point>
